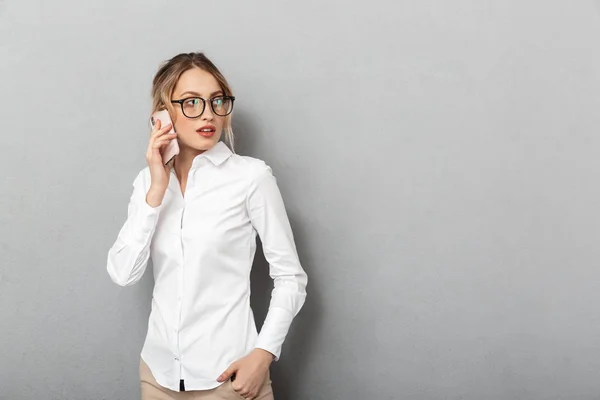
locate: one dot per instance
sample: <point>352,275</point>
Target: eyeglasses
<point>193,107</point>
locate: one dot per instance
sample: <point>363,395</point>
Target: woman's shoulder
<point>253,167</point>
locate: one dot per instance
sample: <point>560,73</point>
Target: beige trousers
<point>151,390</point>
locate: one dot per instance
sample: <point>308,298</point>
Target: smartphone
<point>172,148</point>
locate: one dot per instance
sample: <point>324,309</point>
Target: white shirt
<point>202,247</point>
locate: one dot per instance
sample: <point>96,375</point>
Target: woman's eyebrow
<point>198,94</point>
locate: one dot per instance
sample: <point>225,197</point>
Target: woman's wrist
<point>267,356</point>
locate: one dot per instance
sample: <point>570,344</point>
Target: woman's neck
<point>183,161</point>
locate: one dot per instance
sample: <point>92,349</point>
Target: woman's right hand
<point>159,173</point>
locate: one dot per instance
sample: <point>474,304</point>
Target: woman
<point>198,218</point>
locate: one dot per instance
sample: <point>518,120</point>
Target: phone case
<point>172,148</point>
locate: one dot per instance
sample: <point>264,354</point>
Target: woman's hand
<point>250,373</point>
<point>159,173</point>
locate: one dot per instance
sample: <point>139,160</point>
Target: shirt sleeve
<point>128,256</point>
<point>269,219</point>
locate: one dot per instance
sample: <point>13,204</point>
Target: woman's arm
<point>269,218</point>
<point>128,257</point>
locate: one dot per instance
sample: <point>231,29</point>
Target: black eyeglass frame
<point>181,101</point>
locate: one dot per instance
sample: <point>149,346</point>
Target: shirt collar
<point>218,154</point>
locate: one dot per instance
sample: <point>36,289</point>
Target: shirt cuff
<point>274,330</point>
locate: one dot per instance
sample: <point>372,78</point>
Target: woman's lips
<point>207,131</point>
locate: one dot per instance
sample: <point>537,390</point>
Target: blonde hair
<point>166,79</point>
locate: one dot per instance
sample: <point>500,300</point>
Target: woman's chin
<point>200,143</point>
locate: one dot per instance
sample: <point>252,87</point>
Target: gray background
<point>438,159</point>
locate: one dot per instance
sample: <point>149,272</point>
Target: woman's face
<point>203,132</point>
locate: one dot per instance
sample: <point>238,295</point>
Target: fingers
<point>155,148</point>
<point>162,141</point>
<point>228,372</point>
<point>158,142</point>
<point>247,388</point>
<point>160,130</point>
<point>245,392</point>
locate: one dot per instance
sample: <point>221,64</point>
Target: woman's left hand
<point>250,373</point>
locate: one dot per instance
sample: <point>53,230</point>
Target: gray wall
<point>439,161</point>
